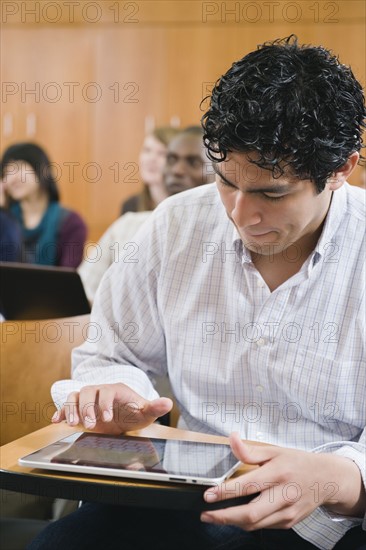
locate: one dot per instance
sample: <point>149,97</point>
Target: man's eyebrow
<point>217,171</point>
<point>275,188</point>
<point>193,157</point>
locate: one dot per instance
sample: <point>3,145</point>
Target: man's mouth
<point>175,187</point>
<point>255,235</point>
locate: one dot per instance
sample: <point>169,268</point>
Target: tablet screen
<point>168,458</point>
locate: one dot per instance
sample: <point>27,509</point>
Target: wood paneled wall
<point>84,78</point>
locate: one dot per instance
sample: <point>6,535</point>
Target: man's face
<point>186,164</point>
<point>270,214</point>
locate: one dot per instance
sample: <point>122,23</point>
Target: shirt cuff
<point>133,377</point>
<point>355,452</point>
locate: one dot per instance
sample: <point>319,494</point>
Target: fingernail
<point>89,420</point>
<point>107,416</point>
<point>206,518</point>
<point>71,418</point>
<point>210,496</point>
<point>55,416</point>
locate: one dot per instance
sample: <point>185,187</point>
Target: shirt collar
<point>333,219</point>
<point>242,252</point>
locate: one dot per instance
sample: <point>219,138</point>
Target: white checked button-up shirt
<point>284,367</point>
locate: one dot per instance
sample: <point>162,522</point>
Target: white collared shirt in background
<point>118,240</point>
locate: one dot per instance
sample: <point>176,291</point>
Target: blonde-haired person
<point>151,163</point>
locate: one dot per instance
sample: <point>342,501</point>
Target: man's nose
<point>179,168</point>
<point>245,211</point>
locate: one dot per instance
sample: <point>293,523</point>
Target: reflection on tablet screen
<point>182,458</point>
<point>113,452</point>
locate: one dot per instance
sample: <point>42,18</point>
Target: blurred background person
<point>10,231</point>
<point>52,235</point>
<point>186,166</point>
<point>151,163</point>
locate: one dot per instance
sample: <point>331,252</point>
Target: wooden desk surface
<point>111,490</point>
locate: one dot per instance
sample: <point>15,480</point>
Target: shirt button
<point>260,283</point>
<point>259,436</point>
<point>261,342</point>
<point>259,388</point>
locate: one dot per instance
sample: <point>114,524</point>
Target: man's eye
<point>273,198</point>
<point>195,163</point>
<point>170,160</point>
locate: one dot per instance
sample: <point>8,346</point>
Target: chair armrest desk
<point>151,494</point>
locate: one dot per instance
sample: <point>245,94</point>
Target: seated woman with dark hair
<point>52,234</point>
<point>10,232</point>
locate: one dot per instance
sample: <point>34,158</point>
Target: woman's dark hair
<point>36,157</point>
<point>294,107</point>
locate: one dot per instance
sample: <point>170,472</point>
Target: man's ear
<point>340,176</point>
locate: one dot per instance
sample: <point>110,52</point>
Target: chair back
<point>34,355</point>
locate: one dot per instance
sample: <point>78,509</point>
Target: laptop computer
<point>31,292</point>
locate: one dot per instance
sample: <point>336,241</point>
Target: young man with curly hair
<point>249,294</point>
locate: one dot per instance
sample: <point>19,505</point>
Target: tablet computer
<point>144,458</point>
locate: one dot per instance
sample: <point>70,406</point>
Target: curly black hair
<point>296,107</point>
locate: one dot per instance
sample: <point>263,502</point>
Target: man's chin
<point>264,248</point>
<point>175,188</point>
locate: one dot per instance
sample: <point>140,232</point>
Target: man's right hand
<point>111,408</point>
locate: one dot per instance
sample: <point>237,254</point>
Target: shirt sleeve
<point>355,451</point>
<point>71,241</point>
<point>93,268</point>
<point>325,528</point>
<point>10,237</point>
<point>125,341</point>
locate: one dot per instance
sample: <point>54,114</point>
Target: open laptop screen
<point>40,292</point>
